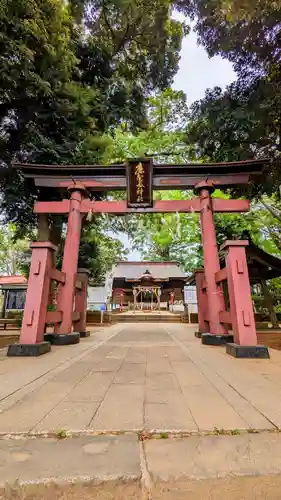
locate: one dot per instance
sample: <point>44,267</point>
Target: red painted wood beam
<point>52,207</point>
<point>220,205</point>
<point>160,206</point>
<point>57,275</point>
<point>78,285</point>
<point>161,182</point>
<point>225,317</point>
<point>95,184</point>
<point>54,317</point>
<point>221,275</point>
<point>76,316</point>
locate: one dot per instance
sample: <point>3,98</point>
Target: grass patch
<point>163,435</point>
<point>61,434</point>
<point>220,432</point>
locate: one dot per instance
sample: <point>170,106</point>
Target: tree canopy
<point>13,251</point>
<point>90,81</point>
<point>70,74</point>
<point>244,120</point>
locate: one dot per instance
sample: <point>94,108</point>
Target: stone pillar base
<point>247,351</point>
<point>63,338</point>
<point>210,339</point>
<point>198,335</point>
<point>29,349</point>
<point>85,334</point>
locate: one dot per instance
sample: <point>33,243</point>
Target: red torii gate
<point>139,178</point>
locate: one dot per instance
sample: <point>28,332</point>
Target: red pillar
<point>239,290</point>
<point>211,259</point>
<point>121,300</point>
<point>81,302</point>
<point>70,260</point>
<point>37,296</point>
<point>202,301</point>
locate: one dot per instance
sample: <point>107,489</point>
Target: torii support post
<point>202,303</point>
<point>81,303</point>
<point>66,292</point>
<point>35,312</point>
<point>241,304</point>
<point>215,296</point>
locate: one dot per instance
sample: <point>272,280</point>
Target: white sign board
<point>190,295</point>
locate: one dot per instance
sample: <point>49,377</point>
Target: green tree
<point>247,9</point>
<point>66,81</point>
<point>166,237</point>
<point>99,252</point>
<point>163,137</point>
<point>13,252</point>
<point>155,236</point>
<point>99,249</point>
<point>250,106</point>
<point>36,64</point>
<point>251,44</point>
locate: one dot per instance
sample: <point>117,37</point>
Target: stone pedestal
<point>29,349</point>
<point>247,351</point>
<point>209,339</point>
<point>84,334</point>
<point>63,338</point>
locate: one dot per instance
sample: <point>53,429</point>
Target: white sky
<point>197,72</point>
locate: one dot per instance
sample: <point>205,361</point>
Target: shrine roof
<point>13,281</point>
<point>261,265</point>
<point>158,270</point>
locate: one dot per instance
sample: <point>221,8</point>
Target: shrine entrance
<point>146,298</point>
<point>234,327</point>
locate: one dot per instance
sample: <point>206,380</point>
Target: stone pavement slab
<point>110,490</point>
<point>121,409</point>
<point>69,416</point>
<point>143,376</point>
<point>233,488</point>
<point>107,467</point>
<point>80,458</point>
<point>199,457</point>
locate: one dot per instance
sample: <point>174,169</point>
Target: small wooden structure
<point>147,285</point>
<point>147,295</point>
<point>261,268</point>
<point>14,293</point>
<point>139,177</point>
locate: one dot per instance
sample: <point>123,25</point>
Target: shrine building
<point>147,285</point>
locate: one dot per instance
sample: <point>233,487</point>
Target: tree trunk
<point>275,212</point>
<point>43,233</point>
<point>268,302</point>
<point>55,231</point>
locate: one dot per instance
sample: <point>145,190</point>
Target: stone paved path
<point>139,376</point>
<point>125,382</point>
<point>195,468</point>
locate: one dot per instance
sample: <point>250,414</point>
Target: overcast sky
<point>196,74</point>
<point>197,71</point>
